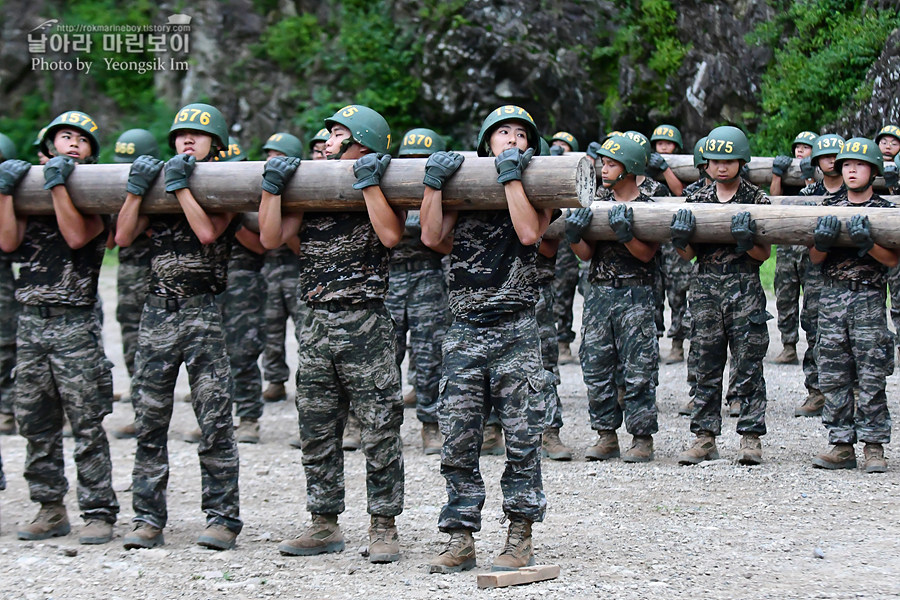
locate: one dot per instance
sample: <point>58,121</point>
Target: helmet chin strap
<point>610,183</point>
<point>344,145</point>
<point>862,188</point>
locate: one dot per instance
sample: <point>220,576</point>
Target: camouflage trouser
<point>677,274</point>
<point>619,332</point>
<point>131,284</point>
<point>191,335</point>
<point>347,355</point>
<point>281,274</point>
<point>61,368</point>
<point>791,263</point>
<point>417,302</point>
<point>809,319</point>
<point>728,311</point>
<point>854,349</point>
<point>893,279</point>
<point>243,317</point>
<point>546,321</point>
<point>497,368</point>
<point>9,315</point>
<point>564,289</point>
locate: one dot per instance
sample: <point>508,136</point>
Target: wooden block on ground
<point>523,575</point>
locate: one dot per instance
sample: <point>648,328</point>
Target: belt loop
<point>44,312</point>
<point>172,304</point>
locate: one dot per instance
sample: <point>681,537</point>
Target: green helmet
<point>862,149</point>
<point>367,127</point>
<point>888,130</point>
<point>134,143</point>
<point>421,142</point>
<point>804,137</point>
<point>826,145</point>
<point>7,148</point>
<point>565,136</point>
<point>699,159</point>
<point>39,138</point>
<point>610,134</point>
<point>627,151</point>
<point>73,119</point>
<point>284,142</point>
<point>641,139</point>
<point>232,153</point>
<point>668,133</point>
<point>500,115</point>
<point>726,143</point>
<point>321,136</point>
<point>201,117</point>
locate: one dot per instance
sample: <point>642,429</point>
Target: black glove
<point>682,228</point>
<point>178,171</point>
<point>144,171</point>
<point>826,233</point>
<point>277,172</point>
<point>440,167</point>
<point>593,150</point>
<point>891,176</point>
<point>860,234</point>
<point>557,150</point>
<point>577,222</point>
<point>11,173</point>
<point>511,163</point>
<point>743,228</point>
<point>57,170</point>
<point>369,169</point>
<point>807,169</point>
<point>621,219</point>
<point>656,165</point>
<point>780,163</point>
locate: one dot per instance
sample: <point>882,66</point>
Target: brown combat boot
<point>125,433</point>
<point>565,354</point>
<point>841,456</point>
<point>812,406</point>
<point>247,431</point>
<point>751,449</point>
<point>7,424</point>
<point>384,543</point>
<point>492,442</point>
<point>323,536</point>
<point>459,555</point>
<point>431,439</point>
<point>703,448</point>
<point>51,521</point>
<point>734,408</point>
<point>193,436</point>
<point>518,551</point>
<point>217,537</point>
<point>874,461</point>
<point>409,400</point>
<point>275,392</point>
<point>352,434</point>
<point>143,535</point>
<point>607,447</point>
<point>687,408</point>
<point>676,354</point>
<point>552,447</point>
<point>95,531</point>
<point>788,355</point>
<point>641,450</point>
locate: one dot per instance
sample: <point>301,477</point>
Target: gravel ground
<point>721,530</point>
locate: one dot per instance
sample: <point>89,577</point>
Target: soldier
<point>728,305</point>
<point>346,337</point>
<point>563,142</point>
<point>492,357</point>
<point>317,144</point>
<point>60,363</point>
<point>888,140</point>
<point>855,347</point>
<point>666,139</point>
<point>181,323</point>
<point>9,315</point>
<point>566,281</point>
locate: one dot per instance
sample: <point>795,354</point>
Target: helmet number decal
<point>825,142</point>
<point>349,111</point>
<point>418,140</point>
<point>713,145</point>
<point>190,115</point>
<point>611,145</point>
<point>510,109</point>
<point>79,118</point>
<point>275,137</point>
<point>666,131</point>
<point>856,147</point>
<point>123,148</point>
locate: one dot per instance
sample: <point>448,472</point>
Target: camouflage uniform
<point>347,356</point>
<point>9,314</point>
<point>131,285</point>
<point>61,368</point>
<point>619,333</point>
<point>791,264</point>
<point>281,273</point>
<point>854,346</point>
<point>492,361</point>
<point>546,321</point>
<point>564,289</point>
<point>181,323</point>
<point>728,310</point>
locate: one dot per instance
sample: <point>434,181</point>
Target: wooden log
<point>784,224</point>
<point>524,575</point>
<point>550,182</point>
<point>778,200</point>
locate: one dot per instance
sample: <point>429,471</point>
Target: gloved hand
<point>621,219</point>
<point>178,171</point>
<point>826,232</point>
<point>557,150</point>
<point>656,165</point>
<point>11,173</point>
<point>413,221</point>
<point>682,228</point>
<point>57,170</point>
<point>593,150</point>
<point>277,172</point>
<point>891,176</point>
<point>807,169</point>
<point>577,222</point>
<point>743,228</point>
<point>781,163</point>
<point>511,163</point>
<point>440,167</point>
<point>144,171</point>
<point>369,170</point>
<point>860,233</point>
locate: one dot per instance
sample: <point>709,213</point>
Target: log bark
<point>775,224</point>
<point>550,182</point>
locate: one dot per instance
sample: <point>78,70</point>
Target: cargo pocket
<point>537,410</point>
<point>758,334</point>
<point>99,383</point>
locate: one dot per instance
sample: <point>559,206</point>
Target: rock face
<point>884,105</point>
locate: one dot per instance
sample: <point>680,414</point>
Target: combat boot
<point>552,447</point>
<point>641,450</point>
<point>95,531</point>
<point>296,442</point>
<point>459,555</point>
<point>687,408</point>
<point>352,435</point>
<point>275,392</point>
<point>565,354</point>
<point>703,448</point>
<point>874,461</point>
<point>607,447</point>
<point>492,441</point>
<point>518,551</point>
<point>193,436</point>
<point>788,355</point>
<point>217,537</point>
<point>7,424</point>
<point>676,354</point>
<point>431,439</point>
<point>51,521</point>
<point>323,536</point>
<point>812,406</point>
<point>734,408</point>
<point>409,400</point>
<point>384,543</point>
<point>247,431</point>
<point>143,535</point>
<point>841,456</point>
<point>751,449</point>
<point>125,433</point>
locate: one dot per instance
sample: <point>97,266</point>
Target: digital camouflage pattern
<point>844,263</point>
<point>564,290</point>
<point>132,283</point>
<point>546,322</point>
<point>612,260</point>
<point>791,264</point>
<point>282,274</point>
<point>9,315</point>
<point>180,265</point>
